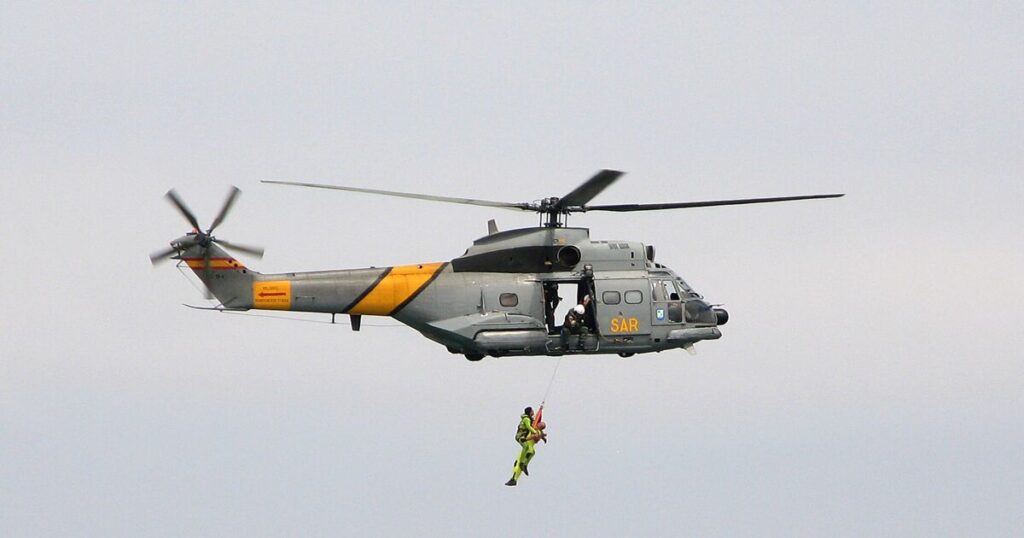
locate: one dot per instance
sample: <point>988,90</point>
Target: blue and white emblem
<point>659,313</point>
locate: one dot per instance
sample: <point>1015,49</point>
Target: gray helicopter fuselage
<point>491,300</point>
<point>498,298</point>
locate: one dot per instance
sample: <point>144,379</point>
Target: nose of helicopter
<point>721,316</point>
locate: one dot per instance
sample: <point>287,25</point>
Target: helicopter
<point>500,297</point>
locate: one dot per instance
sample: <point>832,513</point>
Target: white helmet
<point>578,309</point>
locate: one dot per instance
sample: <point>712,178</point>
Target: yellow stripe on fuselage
<point>400,284</point>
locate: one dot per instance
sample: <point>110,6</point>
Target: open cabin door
<point>623,307</point>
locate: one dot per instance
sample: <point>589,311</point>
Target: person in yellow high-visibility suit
<point>527,436</point>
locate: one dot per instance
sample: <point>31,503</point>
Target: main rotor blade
<point>433,198</point>
<point>254,251</point>
<point>162,255</point>
<point>589,189</point>
<point>711,203</point>
<point>228,202</point>
<point>174,199</point>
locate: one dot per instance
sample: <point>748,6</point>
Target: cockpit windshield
<point>687,290</point>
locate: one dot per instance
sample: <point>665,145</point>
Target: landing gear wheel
<point>626,355</point>
<point>473,357</point>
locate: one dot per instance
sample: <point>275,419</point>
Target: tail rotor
<point>198,238</point>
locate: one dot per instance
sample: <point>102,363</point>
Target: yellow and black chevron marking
<point>395,288</point>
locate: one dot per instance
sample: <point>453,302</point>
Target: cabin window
<point>611,297</point>
<point>634,297</point>
<point>508,299</point>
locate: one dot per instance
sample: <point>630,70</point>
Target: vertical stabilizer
<point>227,278</point>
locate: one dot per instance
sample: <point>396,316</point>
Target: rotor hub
<point>204,239</point>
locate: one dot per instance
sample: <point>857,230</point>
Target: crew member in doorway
<point>575,323</point>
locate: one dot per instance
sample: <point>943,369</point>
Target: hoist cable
<point>552,381</point>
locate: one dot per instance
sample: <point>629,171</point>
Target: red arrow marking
<point>265,294</point>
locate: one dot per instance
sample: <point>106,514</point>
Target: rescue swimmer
<point>530,430</point>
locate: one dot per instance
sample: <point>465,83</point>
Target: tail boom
<point>371,291</point>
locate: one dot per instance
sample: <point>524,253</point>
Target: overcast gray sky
<point>869,383</point>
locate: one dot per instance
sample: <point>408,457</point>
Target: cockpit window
<point>665,290</point>
<point>669,289</point>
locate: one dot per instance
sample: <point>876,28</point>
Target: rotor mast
<point>552,216</point>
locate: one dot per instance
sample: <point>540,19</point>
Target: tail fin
<point>227,278</point>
